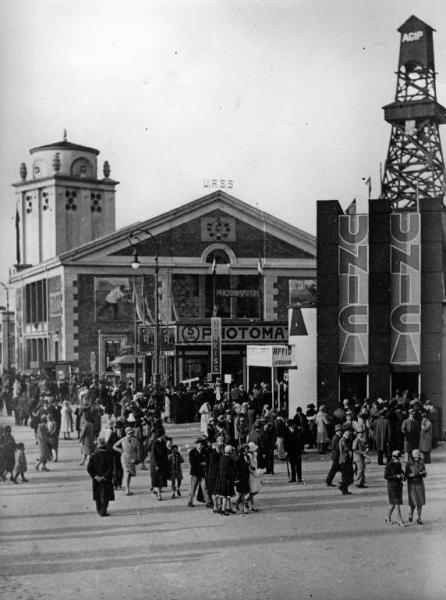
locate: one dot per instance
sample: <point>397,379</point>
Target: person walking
<point>100,469</point>
<point>381,436</point>
<point>226,480</point>
<point>394,475</point>
<point>66,423</point>
<point>360,457</point>
<point>197,461</point>
<point>159,463</point>
<point>20,466</point>
<point>426,439</point>
<point>415,472</point>
<point>42,440</point>
<point>176,472</point>
<point>128,447</point>
<point>334,468</point>
<point>293,445</point>
<point>86,439</point>
<point>346,462</point>
<point>321,421</point>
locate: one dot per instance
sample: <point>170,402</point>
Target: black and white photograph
<point>223,300</point>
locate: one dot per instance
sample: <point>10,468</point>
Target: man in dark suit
<point>293,445</point>
<point>334,455</point>
<point>100,469</point>
<point>197,460</point>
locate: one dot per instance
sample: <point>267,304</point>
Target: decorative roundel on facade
<point>190,333</point>
<point>218,230</point>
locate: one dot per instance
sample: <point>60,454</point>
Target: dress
<point>129,454</point>
<point>42,438</point>
<point>255,483</point>
<point>392,473</point>
<point>66,414</point>
<point>87,439</point>
<point>7,452</point>
<point>415,473</point>
<point>425,444</point>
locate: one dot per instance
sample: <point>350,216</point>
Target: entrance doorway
<point>405,384</point>
<point>353,384</point>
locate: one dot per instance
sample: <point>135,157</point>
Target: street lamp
<point>4,286</point>
<point>136,264</point>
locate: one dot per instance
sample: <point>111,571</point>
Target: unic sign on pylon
<point>380,275</point>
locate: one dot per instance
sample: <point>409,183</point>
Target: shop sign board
<point>216,345</point>
<point>271,356</point>
<point>234,334</point>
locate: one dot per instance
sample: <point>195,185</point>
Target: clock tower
<point>61,201</point>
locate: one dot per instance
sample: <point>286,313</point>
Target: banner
<point>405,269</point>
<point>216,345</point>
<point>353,269</point>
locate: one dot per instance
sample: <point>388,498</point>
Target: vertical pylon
<point>414,166</point>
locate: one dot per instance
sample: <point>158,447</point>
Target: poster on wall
<point>113,299</point>
<point>353,265</point>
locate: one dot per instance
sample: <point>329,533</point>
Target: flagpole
<point>135,334</point>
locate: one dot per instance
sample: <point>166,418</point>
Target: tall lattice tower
<point>414,166</point>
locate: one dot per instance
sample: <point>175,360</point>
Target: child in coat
<point>20,466</point>
<point>176,472</point>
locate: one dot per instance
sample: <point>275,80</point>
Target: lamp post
<point>4,286</point>
<point>136,265</point>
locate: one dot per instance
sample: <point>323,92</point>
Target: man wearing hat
<point>293,445</point>
<point>381,435</point>
<point>411,432</point>
<point>346,461</point>
<point>334,455</point>
<point>197,461</point>
<point>100,469</point>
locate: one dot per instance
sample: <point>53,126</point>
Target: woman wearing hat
<point>226,479</point>
<point>213,472</point>
<point>415,473</point>
<point>100,469</point>
<point>395,477</point>
<point>128,447</point>
<point>255,483</point>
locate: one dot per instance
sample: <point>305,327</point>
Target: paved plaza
<point>307,542</point>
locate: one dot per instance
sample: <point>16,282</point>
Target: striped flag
<point>260,266</point>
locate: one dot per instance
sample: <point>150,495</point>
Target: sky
<point>284,97</point>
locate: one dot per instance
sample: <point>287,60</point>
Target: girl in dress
<point>415,473</point>
<point>255,484</point>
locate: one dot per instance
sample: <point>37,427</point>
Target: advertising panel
<point>405,269</point>
<point>353,315</point>
<point>216,345</point>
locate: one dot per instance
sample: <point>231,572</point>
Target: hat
<point>120,420</point>
<point>252,447</point>
<point>220,440</point>
<point>416,454</point>
<point>101,442</point>
<point>396,453</point>
<point>338,427</point>
<point>228,449</point>
<point>129,430</point>
<point>221,419</point>
<point>131,418</point>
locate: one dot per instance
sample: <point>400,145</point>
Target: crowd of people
<point>242,436</point>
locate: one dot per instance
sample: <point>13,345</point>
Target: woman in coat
<point>53,436</point>
<point>44,448</point>
<point>395,477</point>
<point>100,469</point>
<point>415,473</point>
<point>66,424</point>
<point>86,438</point>
<point>426,438</point>
<point>7,453</point>
<point>159,463</point>
<point>213,473</point>
<point>321,421</point>
<point>242,482</point>
<point>226,478</point>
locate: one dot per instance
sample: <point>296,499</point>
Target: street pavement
<point>306,542</point>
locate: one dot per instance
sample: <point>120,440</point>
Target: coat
<point>321,428</point>
<point>226,476</point>
<point>411,431</point>
<point>394,475</point>
<point>101,465</point>
<point>87,439</point>
<point>415,473</point>
<point>381,433</point>
<point>66,415</point>
<point>42,439</point>
<point>426,435</point>
<point>159,463</point>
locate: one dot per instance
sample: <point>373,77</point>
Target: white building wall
<point>303,381</point>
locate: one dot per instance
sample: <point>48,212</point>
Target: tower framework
<point>414,166</point>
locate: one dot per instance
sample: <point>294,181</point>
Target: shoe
<point>410,518</point>
<point>254,509</point>
<point>179,493</point>
<point>13,480</point>
<point>173,495</point>
<point>361,486</point>
<point>346,493</point>
<point>401,523</point>
<point>330,485</point>
<point>389,521</point>
<point>105,515</point>
<point>25,480</point>
<point>420,522</point>
<point>301,481</point>
<point>226,513</point>
<point>45,469</point>
<point>129,493</point>
<point>191,505</point>
<point>210,505</point>
<point>291,481</point>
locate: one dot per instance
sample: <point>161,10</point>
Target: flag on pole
<point>368,183</point>
<point>351,208</point>
<point>214,267</point>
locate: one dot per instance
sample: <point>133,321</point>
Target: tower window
<point>70,195</point>
<point>95,202</point>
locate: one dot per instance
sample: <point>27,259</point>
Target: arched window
<point>221,257</point>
